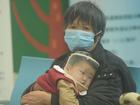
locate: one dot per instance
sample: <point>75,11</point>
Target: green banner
<point>37,28</point>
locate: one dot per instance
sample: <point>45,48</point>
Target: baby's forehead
<point>81,62</point>
<point>84,65</point>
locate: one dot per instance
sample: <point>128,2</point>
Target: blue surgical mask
<point>79,39</point>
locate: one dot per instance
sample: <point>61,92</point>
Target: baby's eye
<point>90,77</point>
<point>82,72</point>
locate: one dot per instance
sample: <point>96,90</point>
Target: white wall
<point>6,67</point>
<point>123,25</point>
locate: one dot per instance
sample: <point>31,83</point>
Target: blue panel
<point>30,69</point>
<point>135,71</point>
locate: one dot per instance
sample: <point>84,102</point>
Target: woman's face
<point>77,24</point>
<point>79,34</point>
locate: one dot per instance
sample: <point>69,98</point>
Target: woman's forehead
<point>80,21</point>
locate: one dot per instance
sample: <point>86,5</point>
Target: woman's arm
<point>36,98</point>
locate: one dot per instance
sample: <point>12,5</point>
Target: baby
<point>70,81</point>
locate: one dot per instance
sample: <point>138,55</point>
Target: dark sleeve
<point>105,90</point>
<point>128,82</point>
<point>108,86</point>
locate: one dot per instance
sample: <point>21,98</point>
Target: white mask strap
<point>98,38</point>
<point>98,33</point>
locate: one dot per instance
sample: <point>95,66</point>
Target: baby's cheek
<point>78,78</point>
<point>88,83</point>
<point>80,88</point>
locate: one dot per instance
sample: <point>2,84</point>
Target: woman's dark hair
<point>88,12</point>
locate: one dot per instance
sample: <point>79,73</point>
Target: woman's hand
<point>36,98</point>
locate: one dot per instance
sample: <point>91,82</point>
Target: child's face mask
<point>79,39</point>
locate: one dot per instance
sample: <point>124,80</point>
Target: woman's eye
<point>72,27</point>
<point>86,28</point>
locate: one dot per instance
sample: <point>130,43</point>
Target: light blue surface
<point>122,35</point>
<point>135,71</point>
<point>30,69</point>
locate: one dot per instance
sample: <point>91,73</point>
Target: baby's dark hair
<point>88,12</point>
<point>80,56</point>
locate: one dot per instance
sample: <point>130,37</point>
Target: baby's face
<point>83,73</point>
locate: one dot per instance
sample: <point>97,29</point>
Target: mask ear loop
<point>98,39</point>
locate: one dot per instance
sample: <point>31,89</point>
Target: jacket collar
<point>98,53</point>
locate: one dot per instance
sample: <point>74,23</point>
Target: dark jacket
<point>112,79</point>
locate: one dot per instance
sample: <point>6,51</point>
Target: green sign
<point>37,28</point>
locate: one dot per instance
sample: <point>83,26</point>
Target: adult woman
<point>85,24</point>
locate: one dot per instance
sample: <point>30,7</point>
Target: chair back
<point>135,71</point>
<point>30,69</point>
